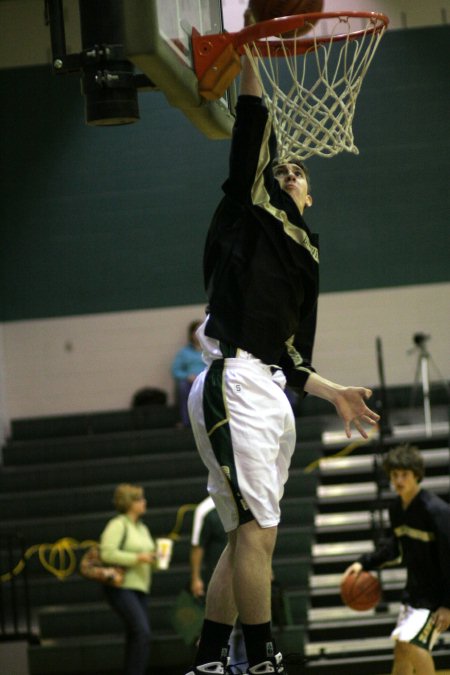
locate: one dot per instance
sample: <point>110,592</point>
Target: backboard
<point>157,40</point>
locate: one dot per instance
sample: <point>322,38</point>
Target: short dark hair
<point>405,457</point>
<point>293,160</point>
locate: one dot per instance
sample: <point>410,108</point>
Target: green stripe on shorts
<point>219,433</point>
<point>423,637</point>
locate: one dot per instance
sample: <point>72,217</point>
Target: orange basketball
<point>263,10</point>
<point>361,591</point>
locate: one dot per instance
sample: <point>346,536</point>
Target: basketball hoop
<point>310,84</point>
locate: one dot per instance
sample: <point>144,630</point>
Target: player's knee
<point>252,536</point>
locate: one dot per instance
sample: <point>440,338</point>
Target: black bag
<point>149,396</point>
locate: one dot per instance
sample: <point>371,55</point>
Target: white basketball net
<point>312,97</point>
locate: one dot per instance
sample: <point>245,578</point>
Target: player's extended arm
<point>248,84</point>
<point>348,401</point>
<point>196,559</point>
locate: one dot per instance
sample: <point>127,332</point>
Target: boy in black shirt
<point>420,524</point>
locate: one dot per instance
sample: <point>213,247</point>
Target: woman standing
<point>127,542</point>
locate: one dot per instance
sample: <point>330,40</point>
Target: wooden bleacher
<point>57,480</point>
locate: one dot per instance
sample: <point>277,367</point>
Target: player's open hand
<point>351,407</point>
<point>441,619</point>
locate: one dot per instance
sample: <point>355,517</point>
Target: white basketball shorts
<point>416,626</point>
<point>244,429</point>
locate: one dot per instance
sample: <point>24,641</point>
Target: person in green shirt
<point>127,542</point>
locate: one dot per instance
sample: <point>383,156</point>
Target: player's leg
<point>212,651</point>
<point>263,434</point>
<point>237,653</point>
<point>252,588</point>
<point>220,599</point>
<point>252,572</point>
<point>414,637</point>
<point>410,659</point>
<point>220,616</point>
<point>402,665</point>
<point>246,566</point>
<point>243,572</point>
<point>245,433</point>
<point>422,661</point>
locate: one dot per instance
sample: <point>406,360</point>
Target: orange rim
<point>287,24</point>
<point>206,48</point>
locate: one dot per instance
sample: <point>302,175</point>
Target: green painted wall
<point>113,219</point>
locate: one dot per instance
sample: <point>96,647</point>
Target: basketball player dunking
<point>261,275</point>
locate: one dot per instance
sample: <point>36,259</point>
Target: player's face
<point>292,180</point>
<point>404,483</point>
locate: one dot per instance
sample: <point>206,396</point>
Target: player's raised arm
<point>249,84</point>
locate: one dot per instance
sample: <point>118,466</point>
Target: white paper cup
<point>163,552</point>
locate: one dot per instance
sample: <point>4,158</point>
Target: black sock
<point>258,642</point>
<point>213,642</point>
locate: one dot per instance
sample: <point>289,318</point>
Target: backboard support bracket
<point>167,69</point>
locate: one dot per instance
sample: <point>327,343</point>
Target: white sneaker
<point>273,665</point>
<point>213,668</point>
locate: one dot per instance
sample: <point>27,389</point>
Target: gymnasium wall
<point>113,219</point>
<point>102,233</point>
<point>96,362</point>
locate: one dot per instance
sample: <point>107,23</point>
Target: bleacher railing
<point>15,604</point>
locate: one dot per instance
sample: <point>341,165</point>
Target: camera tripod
<point>422,374</point>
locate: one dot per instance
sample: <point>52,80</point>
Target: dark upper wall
<point>99,220</point>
